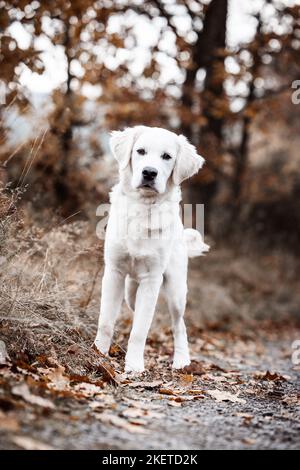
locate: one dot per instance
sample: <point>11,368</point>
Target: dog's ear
<point>121,143</point>
<point>188,162</point>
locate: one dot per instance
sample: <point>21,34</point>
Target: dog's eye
<point>166,156</point>
<point>141,151</point>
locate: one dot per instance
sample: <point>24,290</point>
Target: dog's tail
<point>195,243</point>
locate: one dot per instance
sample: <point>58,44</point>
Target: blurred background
<point>226,74</point>
<point>223,72</point>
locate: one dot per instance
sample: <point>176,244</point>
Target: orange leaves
<point>4,19</point>
<point>201,368</point>
<point>271,376</point>
<point>116,41</point>
<point>150,69</point>
<point>57,380</point>
<point>167,391</point>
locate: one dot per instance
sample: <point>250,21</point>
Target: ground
<point>242,390</point>
<point>234,404</point>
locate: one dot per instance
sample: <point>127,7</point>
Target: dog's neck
<point>147,215</point>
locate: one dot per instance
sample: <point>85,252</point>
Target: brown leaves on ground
<point>167,391</point>
<point>248,441</point>
<point>8,422</point>
<point>144,385</point>
<point>128,403</point>
<point>271,376</point>
<point>110,418</point>
<point>24,392</point>
<point>292,400</point>
<point>27,443</point>
<point>201,368</point>
<point>225,396</point>
<point>57,378</point>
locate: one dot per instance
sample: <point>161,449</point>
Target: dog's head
<point>155,157</point>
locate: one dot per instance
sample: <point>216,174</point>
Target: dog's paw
<point>181,362</point>
<point>134,367</point>
<point>99,348</point>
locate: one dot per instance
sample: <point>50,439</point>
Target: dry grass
<point>49,288</point>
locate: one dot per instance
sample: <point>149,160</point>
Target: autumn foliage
<point>226,100</point>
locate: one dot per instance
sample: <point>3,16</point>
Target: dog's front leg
<point>145,303</point>
<point>111,299</point>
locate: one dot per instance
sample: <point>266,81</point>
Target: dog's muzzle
<point>149,175</point>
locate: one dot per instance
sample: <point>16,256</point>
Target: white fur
<point>141,256</point>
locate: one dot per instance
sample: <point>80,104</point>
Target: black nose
<point>149,173</point>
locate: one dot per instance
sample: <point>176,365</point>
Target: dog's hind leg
<point>131,287</point>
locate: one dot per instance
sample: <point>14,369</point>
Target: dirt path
<point>175,411</point>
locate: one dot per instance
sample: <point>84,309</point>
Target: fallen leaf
<point>76,378</point>
<point>220,396</point>
<point>199,368</point>
<point>115,350</point>
<point>195,368</point>
<point>57,378</point>
<point>249,441</point>
<point>74,349</point>
<point>8,422</point>
<point>102,401</point>
<point>182,398</point>
<point>109,418</point>
<point>186,379</point>
<point>138,421</point>
<point>271,376</point>
<point>87,389</point>
<point>174,403</point>
<point>247,418</point>
<point>28,443</point>
<point>134,413</point>
<point>108,373</point>
<point>195,391</point>
<point>291,399</point>
<point>28,372</point>
<point>24,392</point>
<point>167,391</point>
<point>146,385</point>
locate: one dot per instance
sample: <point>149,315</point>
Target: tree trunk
<point>208,53</point>
<point>211,54</point>
<point>242,154</point>
<point>61,186</point>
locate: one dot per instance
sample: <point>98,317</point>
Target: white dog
<point>146,246</point>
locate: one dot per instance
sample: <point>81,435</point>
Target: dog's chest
<point>140,237</point>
